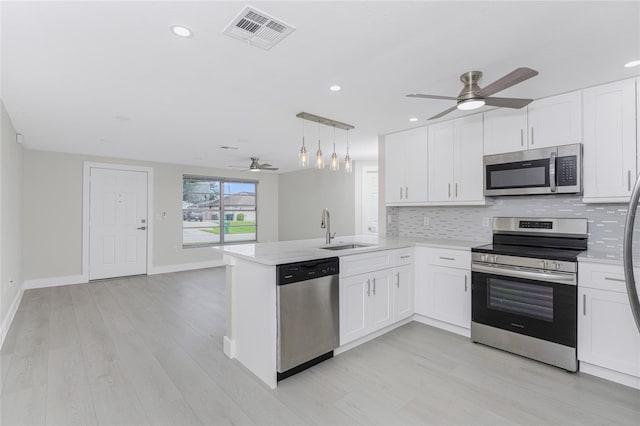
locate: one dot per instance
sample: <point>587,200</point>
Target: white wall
<point>302,196</point>
<point>53,212</point>
<point>11,190</point>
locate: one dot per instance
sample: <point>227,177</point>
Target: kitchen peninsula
<point>252,297</point>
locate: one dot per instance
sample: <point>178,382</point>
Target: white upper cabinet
<point>467,154</point>
<point>609,141</point>
<point>440,161</point>
<point>505,130</point>
<point>555,121</point>
<point>455,160</point>
<point>405,171</point>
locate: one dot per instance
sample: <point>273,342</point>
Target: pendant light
<point>347,159</point>
<point>334,166</point>
<point>303,158</point>
<point>319,157</point>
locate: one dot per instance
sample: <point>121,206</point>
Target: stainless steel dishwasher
<point>308,314</point>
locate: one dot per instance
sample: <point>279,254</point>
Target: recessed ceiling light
<point>181,31</point>
<point>413,119</point>
<point>335,88</point>
<point>632,64</point>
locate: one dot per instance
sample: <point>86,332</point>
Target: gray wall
<point>302,196</point>
<point>11,190</point>
<point>605,221</point>
<point>53,212</point>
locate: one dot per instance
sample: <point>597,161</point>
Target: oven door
<point>539,304</point>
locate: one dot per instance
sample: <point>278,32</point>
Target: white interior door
<point>117,223</point>
<point>369,201</point>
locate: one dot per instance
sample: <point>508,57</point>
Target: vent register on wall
<point>258,28</point>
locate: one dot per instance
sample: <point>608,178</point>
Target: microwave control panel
<point>567,170</point>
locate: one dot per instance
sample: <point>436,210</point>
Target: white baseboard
<point>466,332</point>
<point>229,347</point>
<point>371,336</point>
<point>55,281</point>
<point>607,374</point>
<point>185,267</point>
<point>6,323</point>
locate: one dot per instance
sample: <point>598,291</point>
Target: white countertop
<point>601,256</point>
<point>281,252</point>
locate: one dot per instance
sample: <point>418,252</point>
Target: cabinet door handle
<point>584,305</point>
<point>398,283</point>
<point>401,193</point>
<point>406,192</point>
<point>521,137</point>
<point>614,279</point>
<point>447,258</point>
<point>456,189</point>
<point>449,190</point>
<point>465,283</point>
<point>369,287</point>
<point>628,180</point>
<point>374,286</point>
<point>531,136</point>
<point>406,256</point>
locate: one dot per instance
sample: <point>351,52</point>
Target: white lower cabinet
<point>451,295</point>
<point>374,300</point>
<point>403,293</point>
<point>443,285</point>
<point>607,335</point>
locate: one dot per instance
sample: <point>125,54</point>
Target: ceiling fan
<point>472,96</point>
<point>256,166</point>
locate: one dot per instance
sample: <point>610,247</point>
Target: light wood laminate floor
<point>148,350</point>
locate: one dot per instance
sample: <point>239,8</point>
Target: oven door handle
<point>555,277</point>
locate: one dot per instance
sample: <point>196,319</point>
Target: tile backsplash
<point>605,221</point>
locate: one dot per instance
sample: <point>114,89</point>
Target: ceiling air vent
<point>258,28</point>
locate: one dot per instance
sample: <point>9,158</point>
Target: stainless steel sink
<point>347,246</point>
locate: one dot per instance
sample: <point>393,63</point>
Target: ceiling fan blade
<point>265,165</point>
<point>269,168</point>
<point>508,102</point>
<point>445,112</point>
<point>420,95</point>
<point>514,77</point>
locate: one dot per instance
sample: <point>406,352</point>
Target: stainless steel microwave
<point>554,170</point>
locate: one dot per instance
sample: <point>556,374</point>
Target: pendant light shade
<point>303,156</point>
<point>347,160</point>
<point>334,165</point>
<point>319,157</point>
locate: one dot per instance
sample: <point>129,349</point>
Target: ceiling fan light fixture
<point>470,104</point>
<point>254,167</point>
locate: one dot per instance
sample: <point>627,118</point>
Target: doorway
<point>116,228</point>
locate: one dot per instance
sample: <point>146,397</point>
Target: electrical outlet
<point>426,221</point>
<point>485,222</point>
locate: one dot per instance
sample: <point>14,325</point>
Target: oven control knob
<point>556,265</point>
<point>542,264</point>
<point>494,258</point>
<point>484,257</point>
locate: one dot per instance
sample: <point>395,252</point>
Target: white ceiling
<point>110,79</point>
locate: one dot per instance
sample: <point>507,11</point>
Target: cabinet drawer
<point>363,263</point>
<point>603,276</point>
<point>450,258</point>
<point>403,257</point>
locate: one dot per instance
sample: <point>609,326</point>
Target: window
<point>218,211</point>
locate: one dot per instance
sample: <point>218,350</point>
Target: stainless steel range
<point>524,288</point>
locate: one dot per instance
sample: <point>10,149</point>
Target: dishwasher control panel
<point>307,270</point>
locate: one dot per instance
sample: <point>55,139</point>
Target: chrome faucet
<point>326,224</point>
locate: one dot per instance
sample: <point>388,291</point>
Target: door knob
<point>142,228</point>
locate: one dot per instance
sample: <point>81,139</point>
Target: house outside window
<point>218,211</point>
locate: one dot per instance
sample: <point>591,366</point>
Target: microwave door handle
<point>552,172</point>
